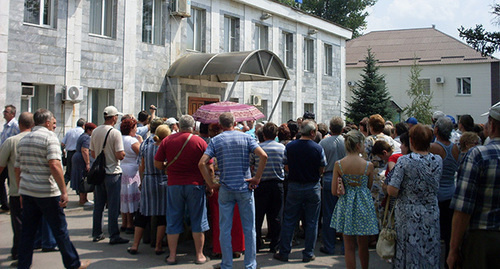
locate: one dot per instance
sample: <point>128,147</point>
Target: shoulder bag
<point>386,243</point>
<point>180,151</point>
<point>97,172</point>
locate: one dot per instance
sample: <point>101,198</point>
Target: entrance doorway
<point>195,102</point>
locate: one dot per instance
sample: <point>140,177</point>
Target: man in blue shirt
<point>10,128</point>
<point>305,161</point>
<point>232,150</point>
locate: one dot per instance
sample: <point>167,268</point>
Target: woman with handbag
<point>81,162</point>
<point>415,184</point>
<point>354,215</point>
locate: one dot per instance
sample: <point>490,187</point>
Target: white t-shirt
<point>113,144</point>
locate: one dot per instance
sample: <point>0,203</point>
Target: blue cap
<point>412,120</point>
<point>451,118</point>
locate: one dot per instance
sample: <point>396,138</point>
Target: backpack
<point>97,172</point>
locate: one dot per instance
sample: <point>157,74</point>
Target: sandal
<point>169,262</point>
<point>132,251</point>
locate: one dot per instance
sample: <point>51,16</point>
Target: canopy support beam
<point>179,113</point>
<point>277,100</point>
<point>232,87</point>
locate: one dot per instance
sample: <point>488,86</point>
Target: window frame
<point>328,68</point>
<point>424,81</point>
<point>198,30</point>
<point>306,107</point>
<point>460,86</point>
<point>231,33</point>
<point>308,54</point>
<point>52,17</point>
<point>156,34</point>
<point>287,49</point>
<point>261,36</point>
<point>106,17</point>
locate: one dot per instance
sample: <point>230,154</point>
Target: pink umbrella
<point>210,113</point>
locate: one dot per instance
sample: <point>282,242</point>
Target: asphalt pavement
<point>104,255</point>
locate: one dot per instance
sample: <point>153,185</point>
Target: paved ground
<point>103,255</point>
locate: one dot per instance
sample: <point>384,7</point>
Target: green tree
<point>421,97</point>
<point>480,39</point>
<point>370,93</point>
<point>348,13</point>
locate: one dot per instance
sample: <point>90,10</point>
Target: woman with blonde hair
<point>354,214</point>
<point>153,191</point>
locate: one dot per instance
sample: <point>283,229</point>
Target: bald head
<point>26,121</point>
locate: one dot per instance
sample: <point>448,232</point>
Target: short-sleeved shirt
<point>34,152</point>
<point>113,144</point>
<point>71,137</point>
<point>142,131</point>
<point>10,128</point>
<point>184,171</point>
<point>334,148</point>
<point>274,166</point>
<point>8,153</point>
<point>304,158</point>
<point>478,186</point>
<point>232,150</point>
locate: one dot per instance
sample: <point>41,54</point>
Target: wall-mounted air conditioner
<point>351,83</point>
<point>256,100</point>
<point>73,94</point>
<point>440,80</point>
<point>181,8</point>
<point>27,91</point>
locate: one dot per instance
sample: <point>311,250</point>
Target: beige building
<point>460,79</point>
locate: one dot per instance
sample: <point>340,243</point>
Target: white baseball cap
<point>171,121</point>
<point>494,112</point>
<point>111,111</point>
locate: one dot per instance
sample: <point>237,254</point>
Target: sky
<point>446,15</point>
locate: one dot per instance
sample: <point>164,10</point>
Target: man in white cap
<point>475,233</point>
<point>173,124</point>
<point>110,189</point>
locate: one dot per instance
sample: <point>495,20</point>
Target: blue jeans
<point>301,197</point>
<point>44,237</point>
<point>33,209</point>
<point>178,196</point>
<point>246,204</point>
<point>328,202</point>
<point>108,191</point>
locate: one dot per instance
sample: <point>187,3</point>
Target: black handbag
<point>85,186</point>
<point>97,172</point>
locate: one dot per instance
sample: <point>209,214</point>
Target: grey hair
<point>307,127</point>
<point>226,119</point>
<point>42,115</point>
<point>81,122</point>
<point>444,127</point>
<point>352,140</point>
<point>336,125</point>
<point>186,123</point>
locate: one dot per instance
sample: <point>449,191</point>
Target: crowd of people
<point>224,179</point>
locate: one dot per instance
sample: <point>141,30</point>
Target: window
<point>40,12</point>
<point>426,85</point>
<point>231,34</point>
<point>308,107</point>
<point>286,111</point>
<point>102,17</point>
<point>463,86</point>
<point>328,60</point>
<point>308,55</point>
<point>196,30</point>
<point>287,49</point>
<point>261,36</point>
<point>152,22</point>
<point>98,99</point>
<point>43,97</point>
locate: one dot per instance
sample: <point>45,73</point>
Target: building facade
<point>118,53</point>
<point>460,79</point>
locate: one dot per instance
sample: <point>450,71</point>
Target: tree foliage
<point>421,102</point>
<point>480,39</point>
<point>370,95</point>
<point>348,13</point>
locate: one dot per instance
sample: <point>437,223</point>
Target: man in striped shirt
<point>269,194</point>
<point>41,184</point>
<point>232,150</point>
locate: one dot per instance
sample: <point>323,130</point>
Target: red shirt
<point>184,171</point>
<point>394,158</point>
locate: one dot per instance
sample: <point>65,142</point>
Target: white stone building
<point>118,52</point>
<point>460,79</point>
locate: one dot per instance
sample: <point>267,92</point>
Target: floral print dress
<point>417,213</point>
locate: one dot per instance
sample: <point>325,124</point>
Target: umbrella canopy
<point>210,113</point>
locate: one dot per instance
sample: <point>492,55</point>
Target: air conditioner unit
<point>256,100</point>
<point>351,83</point>
<point>440,80</point>
<point>27,91</point>
<point>73,94</point>
<point>181,8</point>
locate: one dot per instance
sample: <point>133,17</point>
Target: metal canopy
<point>257,65</point>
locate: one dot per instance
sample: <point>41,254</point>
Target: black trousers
<point>269,203</point>
<point>67,175</point>
<point>15,220</point>
<point>3,191</point>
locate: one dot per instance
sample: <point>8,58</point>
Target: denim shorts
<point>192,198</point>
